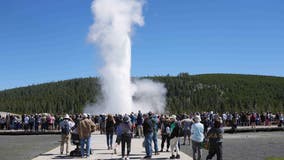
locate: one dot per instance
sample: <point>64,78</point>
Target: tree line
<point>186,93</point>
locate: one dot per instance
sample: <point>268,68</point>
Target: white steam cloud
<point>149,95</point>
<point>111,33</point>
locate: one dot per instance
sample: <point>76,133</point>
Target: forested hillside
<point>186,93</point>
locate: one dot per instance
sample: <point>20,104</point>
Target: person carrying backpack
<point>155,122</point>
<point>125,134</point>
<point>66,124</point>
<point>186,126</point>
<point>165,133</point>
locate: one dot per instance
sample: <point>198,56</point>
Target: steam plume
<point>111,34</point>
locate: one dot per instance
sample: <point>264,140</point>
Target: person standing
<point>139,122</point>
<point>197,137</point>
<point>148,135</point>
<point>215,136</point>
<point>155,122</point>
<point>26,122</point>
<point>65,126</point>
<point>109,130</point>
<point>85,129</point>
<point>125,128</point>
<point>186,123</point>
<point>174,128</point>
<point>118,120</point>
<point>165,132</point>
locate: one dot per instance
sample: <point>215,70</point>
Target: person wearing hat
<point>125,134</point>
<point>85,128</point>
<point>174,136</point>
<point>66,124</point>
<point>197,137</point>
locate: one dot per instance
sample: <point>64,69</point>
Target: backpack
<point>168,130</point>
<point>66,128</point>
<point>180,130</point>
<point>155,125</point>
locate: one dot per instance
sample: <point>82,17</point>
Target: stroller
<point>76,141</point>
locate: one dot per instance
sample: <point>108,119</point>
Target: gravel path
<point>249,146</point>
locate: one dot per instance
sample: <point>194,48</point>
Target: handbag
<point>205,144</point>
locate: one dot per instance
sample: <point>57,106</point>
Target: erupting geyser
<point>111,33</point>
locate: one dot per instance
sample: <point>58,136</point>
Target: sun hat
<point>66,116</point>
<point>173,117</point>
<point>85,115</point>
<point>197,118</point>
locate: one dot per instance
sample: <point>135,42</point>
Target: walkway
<point>101,153</point>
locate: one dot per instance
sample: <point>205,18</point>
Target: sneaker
<point>172,157</point>
<point>161,150</point>
<point>126,158</point>
<point>147,157</point>
<point>178,156</point>
<point>167,150</point>
<point>61,152</point>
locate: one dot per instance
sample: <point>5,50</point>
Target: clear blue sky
<point>46,40</point>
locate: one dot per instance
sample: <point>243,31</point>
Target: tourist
<point>37,122</point>
<point>26,122</point>
<point>165,133</point>
<point>215,136</point>
<point>65,126</point>
<point>85,129</point>
<point>2,122</point>
<point>31,122</point>
<point>148,135</point>
<point>126,135</point>
<point>155,122</point>
<point>109,130</point>
<point>118,120</point>
<point>281,120</point>
<point>102,123</point>
<point>174,127</point>
<point>186,124</point>
<point>197,137</point>
<point>253,120</point>
<point>139,122</point>
<point>133,119</point>
<point>206,123</point>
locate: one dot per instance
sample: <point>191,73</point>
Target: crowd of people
<point>197,130</point>
<point>46,121</point>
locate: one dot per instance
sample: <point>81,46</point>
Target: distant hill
<point>186,93</point>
